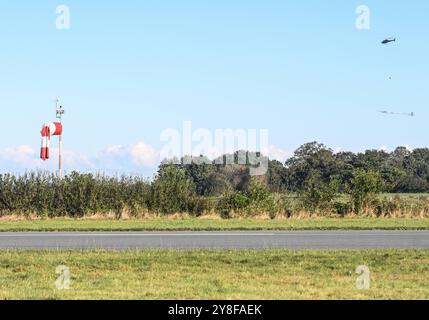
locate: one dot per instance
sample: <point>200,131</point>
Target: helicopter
<point>388,40</point>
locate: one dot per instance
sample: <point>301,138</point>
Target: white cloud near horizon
<point>139,158</point>
<point>275,153</point>
<point>19,158</point>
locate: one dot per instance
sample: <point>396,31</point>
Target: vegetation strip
<point>314,181</point>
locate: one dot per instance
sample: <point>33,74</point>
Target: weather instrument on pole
<point>60,111</point>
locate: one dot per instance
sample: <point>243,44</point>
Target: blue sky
<point>126,71</point>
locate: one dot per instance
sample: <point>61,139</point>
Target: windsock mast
<point>59,115</point>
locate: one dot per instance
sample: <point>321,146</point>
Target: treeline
<point>314,181</point>
<point>401,171</point>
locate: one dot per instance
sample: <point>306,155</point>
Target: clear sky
<point>127,70</point>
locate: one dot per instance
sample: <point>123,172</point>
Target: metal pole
<point>59,113</point>
<point>60,157</point>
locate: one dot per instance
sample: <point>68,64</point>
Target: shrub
<point>318,196</point>
<point>76,195</point>
<point>173,192</point>
<point>342,208</point>
<point>233,201</point>
<point>260,198</point>
<point>365,186</point>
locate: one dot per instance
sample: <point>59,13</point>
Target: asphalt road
<point>217,240</point>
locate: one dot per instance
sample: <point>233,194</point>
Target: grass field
<point>265,274</point>
<point>193,224</point>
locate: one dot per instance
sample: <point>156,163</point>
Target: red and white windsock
<point>48,130</point>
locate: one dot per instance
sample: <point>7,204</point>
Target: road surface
<point>217,240</point>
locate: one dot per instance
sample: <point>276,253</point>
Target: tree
<point>200,171</point>
<point>412,184</point>
<point>417,163</point>
<point>399,155</point>
<point>217,185</point>
<point>371,160</point>
<point>346,164</point>
<point>310,159</point>
<point>276,176</point>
